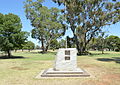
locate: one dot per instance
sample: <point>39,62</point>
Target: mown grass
<point>104,69</point>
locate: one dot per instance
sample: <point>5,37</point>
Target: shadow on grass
<point>97,54</point>
<point>115,59</point>
<point>12,57</point>
<point>40,52</point>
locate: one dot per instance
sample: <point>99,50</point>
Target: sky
<point>16,7</point>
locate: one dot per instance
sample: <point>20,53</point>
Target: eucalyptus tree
<point>37,47</point>
<point>29,45</point>
<point>62,43</point>
<point>113,42</point>
<point>54,44</point>
<point>101,42</point>
<point>48,23</point>
<point>86,18</point>
<point>11,35</point>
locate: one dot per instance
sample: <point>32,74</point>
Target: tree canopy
<point>87,18</point>
<point>54,44</point>
<point>29,45</point>
<point>113,43</point>
<point>11,35</point>
<point>47,23</point>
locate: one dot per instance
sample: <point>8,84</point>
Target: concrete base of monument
<point>52,73</point>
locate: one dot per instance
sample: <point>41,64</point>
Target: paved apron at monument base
<point>65,65</point>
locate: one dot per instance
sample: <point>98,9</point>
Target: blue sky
<point>16,7</point>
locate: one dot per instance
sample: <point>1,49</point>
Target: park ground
<point>22,69</point>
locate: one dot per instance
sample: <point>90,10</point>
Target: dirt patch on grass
<point>95,82</point>
<point>29,63</point>
<point>19,68</point>
<point>106,79</point>
<point>112,76</point>
<point>88,66</point>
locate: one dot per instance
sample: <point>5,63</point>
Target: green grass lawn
<point>104,69</point>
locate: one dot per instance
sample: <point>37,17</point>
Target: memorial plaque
<point>67,57</point>
<point>67,52</point>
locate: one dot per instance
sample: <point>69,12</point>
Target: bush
<point>117,50</point>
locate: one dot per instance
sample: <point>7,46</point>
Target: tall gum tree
<point>86,18</point>
<point>47,23</point>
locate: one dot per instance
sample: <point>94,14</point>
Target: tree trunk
<point>46,48</point>
<point>53,49</point>
<point>81,46</point>
<point>9,53</point>
<point>43,48</point>
<point>82,50</point>
<point>15,50</point>
<point>77,44</point>
<point>102,51</point>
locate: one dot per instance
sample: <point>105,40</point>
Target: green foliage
<point>11,35</point>
<point>28,46</point>
<point>86,18</point>
<point>113,42</point>
<point>62,43</point>
<point>37,47</point>
<point>47,23</point>
<point>54,44</point>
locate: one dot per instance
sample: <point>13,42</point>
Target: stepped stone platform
<point>52,73</point>
<point>65,65</point>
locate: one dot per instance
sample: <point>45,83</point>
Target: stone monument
<point>65,65</point>
<point>66,59</point>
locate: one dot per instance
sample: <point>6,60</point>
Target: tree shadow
<point>115,59</point>
<point>48,52</point>
<point>97,54</point>
<point>34,52</point>
<point>12,57</point>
